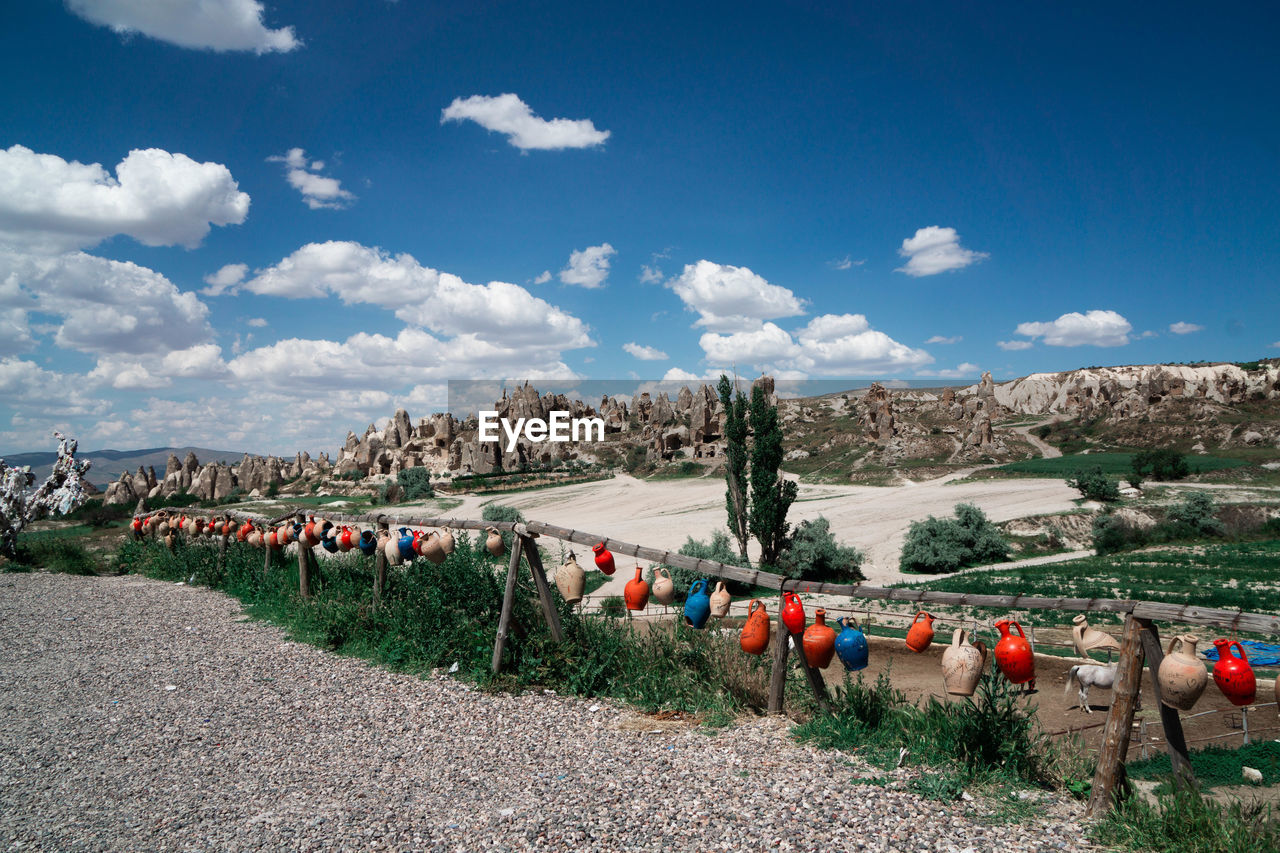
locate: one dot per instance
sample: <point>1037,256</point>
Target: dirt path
<point>1048,451</point>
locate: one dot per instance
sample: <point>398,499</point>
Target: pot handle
<point>1019,627</point>
<point>751,608</point>
<point>918,615</point>
<point>982,649</point>
<point>1243,656</point>
<point>1174,640</point>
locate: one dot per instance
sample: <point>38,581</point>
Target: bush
<point>720,549</point>
<point>416,483</point>
<point>1195,515</point>
<point>1112,534</point>
<point>814,554</point>
<point>938,545</point>
<point>1095,485</point>
<point>1161,465</point>
<point>500,512</point>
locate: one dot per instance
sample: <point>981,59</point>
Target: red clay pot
<point>604,560</point>
<point>1233,675</point>
<point>1013,654</point>
<point>819,641</point>
<point>754,638</point>
<point>921,633</point>
<point>792,612</point>
<point>636,592</point>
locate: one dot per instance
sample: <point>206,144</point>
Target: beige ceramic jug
<point>1087,639</point>
<point>664,591</point>
<point>391,548</point>
<point>570,579</point>
<point>446,541</point>
<point>1181,675</point>
<point>962,664</point>
<point>720,601</point>
<point>494,543</point>
<point>433,549</point>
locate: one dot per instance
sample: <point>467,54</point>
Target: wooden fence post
<point>816,682</point>
<point>778,675</point>
<point>531,554</point>
<point>379,568</point>
<point>1110,775</point>
<point>1183,776</point>
<point>508,601</point>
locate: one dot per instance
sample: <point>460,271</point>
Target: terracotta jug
<point>792,612</point>
<point>664,591</point>
<point>604,560</point>
<point>570,580</point>
<point>720,601</point>
<point>819,641</point>
<point>1013,654</point>
<point>697,606</point>
<point>494,543</point>
<point>1182,676</point>
<point>636,592</point>
<point>162,529</point>
<point>851,646</point>
<point>310,535</point>
<point>1086,639</point>
<point>269,539</point>
<point>962,664</point>
<point>446,541</point>
<point>754,638</point>
<point>391,548</point>
<point>254,538</point>
<point>243,533</point>
<point>345,540</point>
<point>921,633</point>
<point>431,548</point>
<point>170,539</point>
<point>1233,675</point>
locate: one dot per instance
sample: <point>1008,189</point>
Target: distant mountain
<point>108,465</point>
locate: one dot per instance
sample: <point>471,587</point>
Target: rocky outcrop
<point>878,418</point>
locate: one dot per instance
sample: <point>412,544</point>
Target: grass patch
<point>1216,765</point>
<point>1116,464</point>
<point>60,550</point>
<point>1186,822</point>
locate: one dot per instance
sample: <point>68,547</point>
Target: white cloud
<point>29,389</point>
<point>939,339</point>
<point>963,370</point>
<point>845,263</point>
<point>15,332</point>
<point>257,322</point>
<point>1093,328</point>
<point>1276,345</point>
<point>846,345</point>
<point>158,198</point>
<point>676,374</point>
<point>934,250</point>
<point>766,344</point>
<point>201,24</point>
<point>225,279</point>
<point>589,267</point>
<point>644,353</point>
<point>1013,346</point>
<point>1149,334</point>
<point>1181,328</point>
<point>512,117</point>
<point>650,275</point>
<point>543,277</point>
<point>729,298</point>
<point>319,192</point>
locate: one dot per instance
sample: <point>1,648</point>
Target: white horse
<point>1090,675</point>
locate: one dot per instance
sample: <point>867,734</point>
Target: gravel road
<point>141,715</point>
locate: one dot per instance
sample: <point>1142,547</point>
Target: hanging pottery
<point>851,646</point>
<point>792,612</point>
<point>1233,675</point>
<point>664,591</point>
<point>1013,653</point>
<point>604,560</point>
<point>570,580</point>
<point>297,535</point>
<point>345,541</point>
<point>406,545</point>
<point>285,534</point>
<point>921,633</point>
<point>137,527</point>
<point>754,638</point>
<point>430,547</point>
<point>697,606</point>
<point>254,538</point>
<point>162,529</point>
<point>368,543</point>
<point>494,542</point>
<point>446,541</point>
<point>1086,639</point>
<point>391,548</point>
<point>330,540</point>
<point>720,601</point>
<point>170,539</point>
<point>269,539</point>
<point>1181,675</point>
<point>819,641</point>
<point>962,664</point>
<point>242,534</point>
<point>636,592</point>
<point>310,535</point>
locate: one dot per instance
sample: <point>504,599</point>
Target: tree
<point>1095,485</point>
<point>814,554</point>
<point>771,494</point>
<point>61,493</point>
<point>735,470</point>
<point>1160,465</point>
<point>938,545</point>
<point>416,483</point>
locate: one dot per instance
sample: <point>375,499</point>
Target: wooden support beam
<point>1109,779</point>
<point>380,569</point>
<point>508,602</point>
<point>778,675</point>
<point>1183,775</point>
<point>304,570</point>
<point>544,590</point>
<point>816,682</point>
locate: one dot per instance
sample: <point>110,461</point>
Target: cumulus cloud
<point>649,274</point>
<point>964,370</point>
<point>939,339</point>
<point>201,24</point>
<point>257,322</point>
<point>729,298</point>
<point>29,389</point>
<point>318,191</point>
<point>152,372</point>
<point>589,267</point>
<point>543,277</point>
<point>15,332</point>
<point>1093,328</point>
<point>512,117</point>
<point>677,374</point>
<point>159,199</point>
<point>644,353</point>
<point>935,250</point>
<point>1181,328</point>
<point>225,279</point>
<point>1014,346</point>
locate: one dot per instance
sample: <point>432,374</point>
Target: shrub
<point>1095,485</point>
<point>416,483</point>
<point>720,549</point>
<point>1112,534</point>
<point>814,554</point>
<point>1161,465</point>
<point>1195,515</point>
<point>500,512</point>
<point>946,544</point>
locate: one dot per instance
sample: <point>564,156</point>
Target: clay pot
<point>345,540</point>
<point>1086,639</point>
<point>819,641</point>
<point>330,540</point>
<point>792,612</point>
<point>269,539</point>
<point>962,664</point>
<point>851,646</point>
<point>720,601</point>
<point>254,538</point>
<point>1013,654</point>
<point>391,548</point>
<point>242,534</point>
<point>405,543</point>
<point>754,638</point>
<point>1233,675</point>
<point>310,535</point>
<point>446,541</point>
<point>921,633</point>
<point>494,543</point>
<point>570,580</point>
<point>170,539</point>
<point>636,592</point>
<point>664,591</point>
<point>367,543</point>
<point>604,560</point>
<point>697,607</point>
<point>1182,676</point>
<point>162,529</point>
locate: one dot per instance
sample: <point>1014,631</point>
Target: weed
<point>1186,822</point>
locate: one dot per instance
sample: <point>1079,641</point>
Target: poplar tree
<point>771,494</point>
<point>736,500</point>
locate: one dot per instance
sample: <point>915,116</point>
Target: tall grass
<point>1186,822</point>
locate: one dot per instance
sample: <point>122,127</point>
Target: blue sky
<point>256,227</point>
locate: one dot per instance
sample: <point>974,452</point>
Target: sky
<point>255,227</point>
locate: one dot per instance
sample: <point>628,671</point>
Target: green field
<point>1117,464</point>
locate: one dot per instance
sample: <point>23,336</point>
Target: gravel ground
<point>141,715</point>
